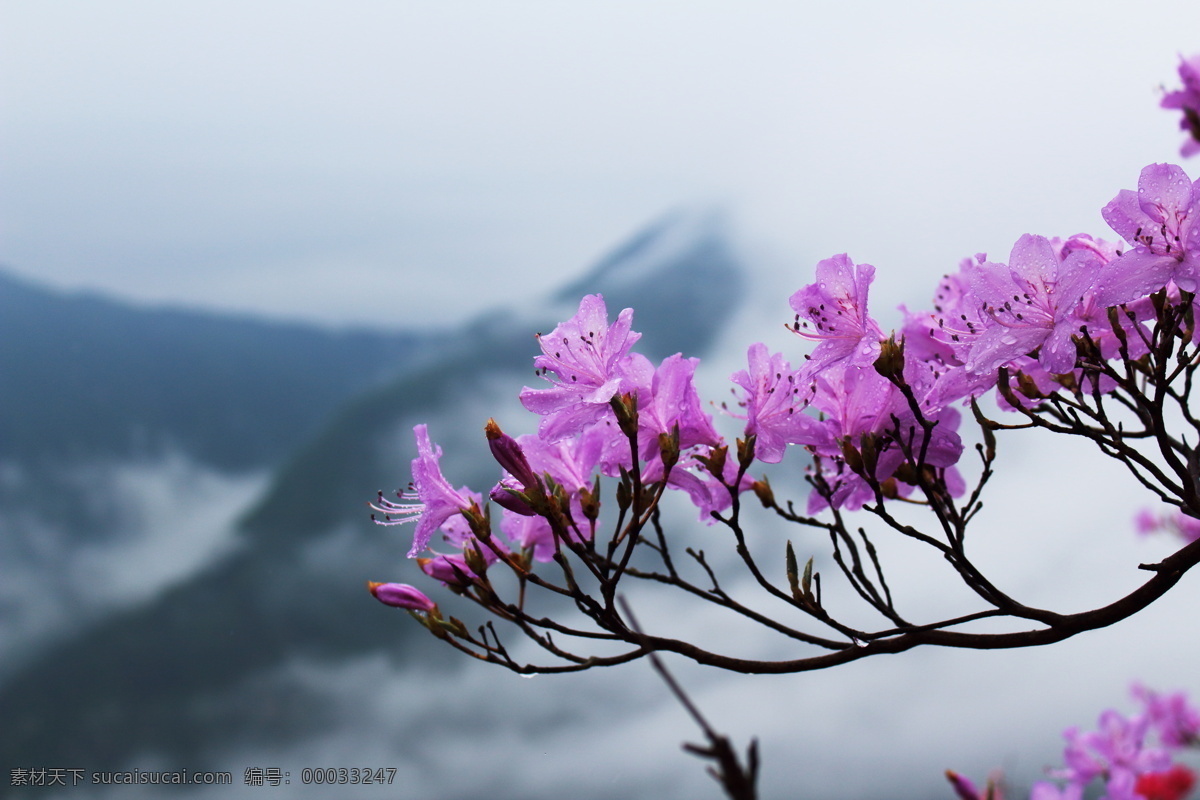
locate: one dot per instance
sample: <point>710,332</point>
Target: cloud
<point>169,517</point>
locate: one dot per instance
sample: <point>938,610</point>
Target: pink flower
<point>858,404</point>
<point>1120,755</point>
<point>1117,753</point>
<point>1177,723</point>
<point>1159,221</point>
<point>937,343</point>
<point>774,399</point>
<point>833,312</point>
<point>1176,522</point>
<point>430,500</point>
<point>673,401</point>
<point>530,533</point>
<point>1145,523</point>
<point>570,462</point>
<point>1030,304</point>
<point>591,364</point>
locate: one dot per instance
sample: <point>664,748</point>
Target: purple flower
<point>859,403</point>
<point>1159,221</point>
<point>937,343</point>
<point>855,400</point>
<point>775,398</point>
<point>1117,753</point>
<point>1176,522</point>
<point>1187,100</point>
<point>401,595</point>
<point>430,500</point>
<point>531,533</point>
<point>957,319</point>
<point>673,401</point>
<point>1177,722</point>
<point>570,462</point>
<point>833,312</point>
<point>1094,315</point>
<point>1145,523</point>
<point>1030,304</point>
<point>591,364</point>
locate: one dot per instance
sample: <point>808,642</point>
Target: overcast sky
<point>399,163</point>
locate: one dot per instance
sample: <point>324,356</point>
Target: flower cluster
<point>885,422</point>
<point>877,413</point>
<point>606,412</point>
<point>1132,757</point>
<point>1077,336</point>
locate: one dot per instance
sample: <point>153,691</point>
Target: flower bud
<point>745,449</point>
<point>512,499</point>
<point>625,408</point>
<point>762,490</point>
<point>451,570</point>
<point>962,787</point>
<point>714,462</point>
<point>476,562</point>
<point>509,455</point>
<point>801,586</point>
<point>478,521</point>
<point>624,493</point>
<point>1159,301</point>
<point>851,456</point>
<point>889,489</point>
<point>668,446</point>
<point>806,581</point>
<point>589,500</point>
<point>1029,388</point>
<point>870,455</point>
<point>890,363</point>
<point>1187,300</point>
<point>401,595</point>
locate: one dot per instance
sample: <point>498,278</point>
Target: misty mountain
<point>209,665</point>
<point>87,376</point>
<point>124,430</point>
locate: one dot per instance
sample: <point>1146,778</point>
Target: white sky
<point>402,163</point>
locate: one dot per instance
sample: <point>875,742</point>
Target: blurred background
<point>244,247</point>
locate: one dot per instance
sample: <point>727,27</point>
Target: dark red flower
<point>1174,784</point>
